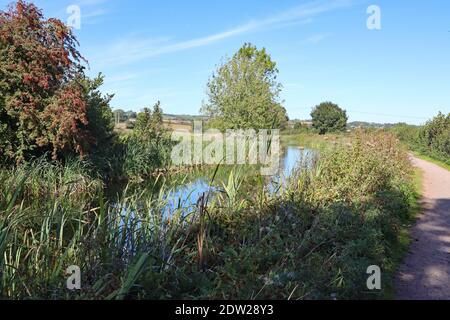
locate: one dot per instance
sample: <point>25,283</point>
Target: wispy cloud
<point>95,13</point>
<point>90,2</point>
<point>121,78</point>
<point>126,51</point>
<point>315,39</point>
<point>92,10</point>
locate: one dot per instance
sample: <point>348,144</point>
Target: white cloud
<point>94,13</point>
<point>92,10</point>
<point>126,51</point>
<point>315,39</point>
<point>90,2</point>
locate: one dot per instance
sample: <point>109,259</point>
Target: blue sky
<point>152,50</point>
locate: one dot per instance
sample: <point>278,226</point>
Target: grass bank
<point>430,142</point>
<point>316,141</point>
<point>404,239</point>
<point>425,157</point>
<point>314,240</point>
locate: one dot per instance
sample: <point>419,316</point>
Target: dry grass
<point>178,125</point>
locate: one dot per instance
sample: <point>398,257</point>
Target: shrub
<point>317,240</point>
<point>148,147</point>
<point>434,137</point>
<point>47,105</point>
<point>298,128</point>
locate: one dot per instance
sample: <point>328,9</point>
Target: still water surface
<point>187,194</point>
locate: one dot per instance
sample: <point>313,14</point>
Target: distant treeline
<point>363,124</point>
<point>124,116</point>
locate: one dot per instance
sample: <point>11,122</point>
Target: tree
<point>150,123</point>
<point>328,117</point>
<point>157,118</point>
<point>300,127</point>
<point>43,101</point>
<point>244,93</point>
<point>99,114</point>
<point>150,145</point>
<point>434,137</point>
<point>130,115</point>
<point>143,120</point>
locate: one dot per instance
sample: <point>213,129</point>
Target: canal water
<point>187,194</point>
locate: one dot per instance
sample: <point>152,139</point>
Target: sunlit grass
<point>422,156</point>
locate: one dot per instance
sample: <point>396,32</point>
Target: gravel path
<point>425,273</point>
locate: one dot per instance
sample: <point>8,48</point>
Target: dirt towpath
<point>425,273</point>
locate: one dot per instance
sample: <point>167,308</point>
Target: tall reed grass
<point>312,240</point>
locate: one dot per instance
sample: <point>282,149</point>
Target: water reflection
<point>187,194</point>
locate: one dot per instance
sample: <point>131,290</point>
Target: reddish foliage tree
<point>42,101</point>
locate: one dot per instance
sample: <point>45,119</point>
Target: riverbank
<point>315,141</point>
<point>313,240</point>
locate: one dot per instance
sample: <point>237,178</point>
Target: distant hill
<point>363,124</point>
<point>184,117</point>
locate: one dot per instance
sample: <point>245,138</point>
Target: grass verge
<point>400,249</point>
<point>425,157</point>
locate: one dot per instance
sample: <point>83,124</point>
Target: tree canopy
<point>244,92</point>
<point>45,98</point>
<point>328,117</point>
<point>150,121</point>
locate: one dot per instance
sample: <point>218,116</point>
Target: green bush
<point>146,149</point>
<point>317,240</point>
<point>432,139</point>
<point>408,134</point>
<point>298,128</point>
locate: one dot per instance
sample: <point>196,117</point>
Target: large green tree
<point>328,117</point>
<point>244,92</point>
<point>46,102</point>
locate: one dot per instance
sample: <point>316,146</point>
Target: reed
<point>313,239</point>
